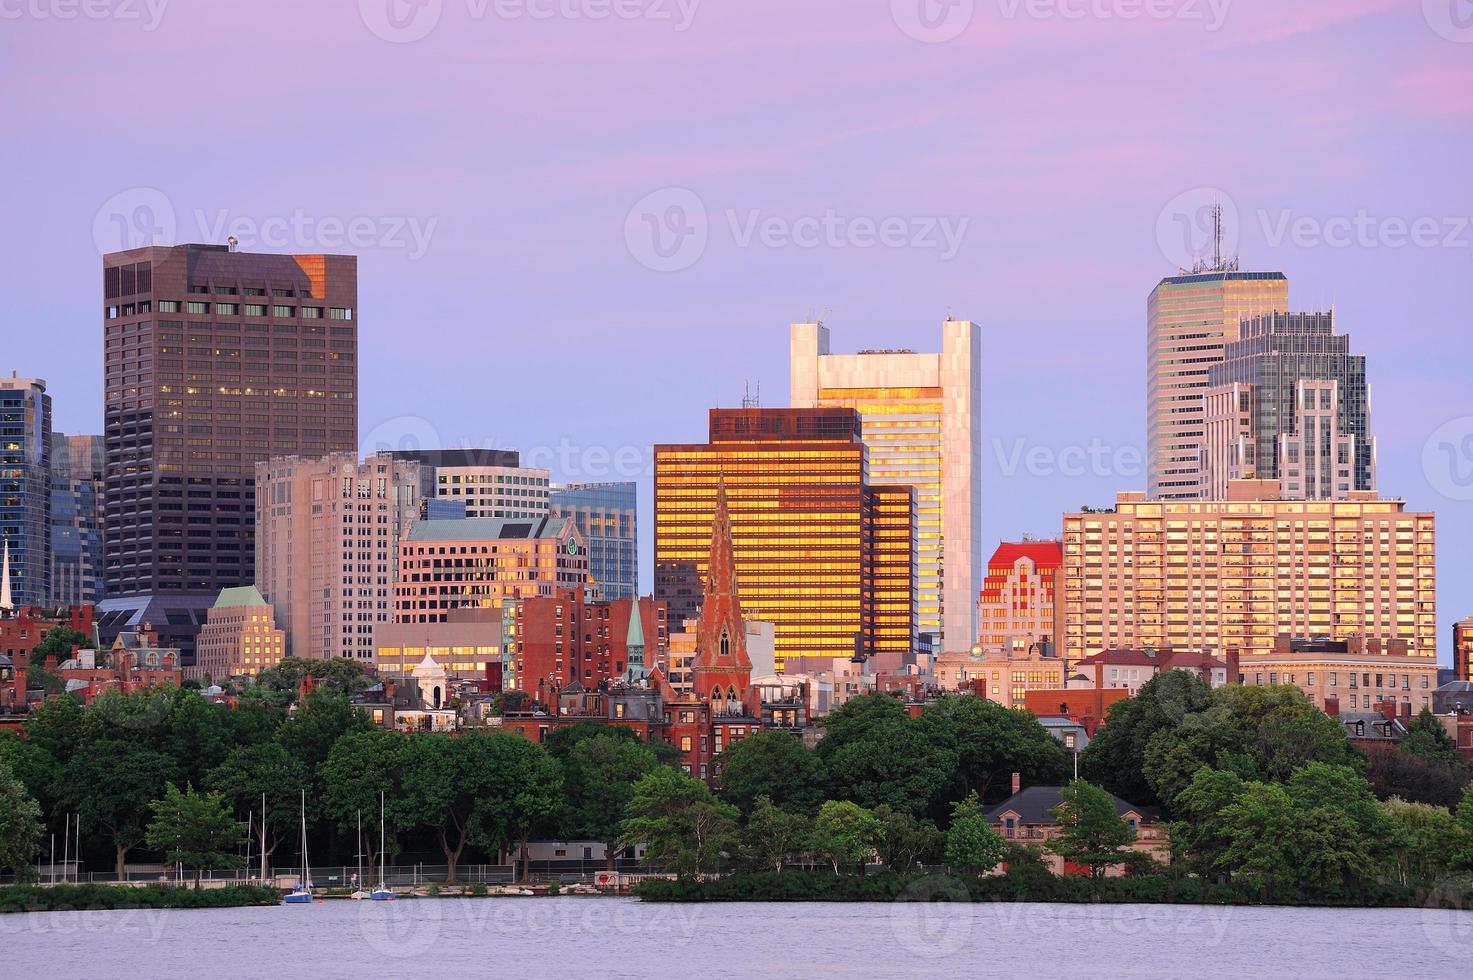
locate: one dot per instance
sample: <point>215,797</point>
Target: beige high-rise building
<point>922,422</point>
<point>1235,574</point>
<point>1189,321</point>
<point>239,637</point>
<point>327,547</point>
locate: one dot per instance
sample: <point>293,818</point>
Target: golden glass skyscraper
<point>1189,321</point>
<point>922,424</point>
<point>806,530</point>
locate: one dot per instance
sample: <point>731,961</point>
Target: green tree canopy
<point>905,840</point>
<point>599,778</point>
<point>322,718</point>
<point>845,834</point>
<point>21,828</point>
<point>59,642</point>
<point>110,783</point>
<point>679,821</point>
<point>971,843</point>
<point>194,830</point>
<point>1091,832</point>
<point>989,743</point>
<point>267,770</point>
<point>773,834</point>
<point>360,768</point>
<point>774,764</point>
<point>1427,738</point>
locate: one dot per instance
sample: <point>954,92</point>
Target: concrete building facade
<point>921,416</point>
<point>239,637</point>
<point>1234,574</point>
<point>327,547</point>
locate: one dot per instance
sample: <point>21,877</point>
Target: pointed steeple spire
<point>6,603</point>
<point>721,669</point>
<point>634,671</point>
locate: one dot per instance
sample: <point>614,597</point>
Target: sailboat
<point>382,893</point>
<point>359,894</point>
<point>302,894</point>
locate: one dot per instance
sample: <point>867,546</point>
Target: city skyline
<point>1065,236</point>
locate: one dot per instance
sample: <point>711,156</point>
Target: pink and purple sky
<point>581,223</point>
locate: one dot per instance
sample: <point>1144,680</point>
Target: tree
<point>252,772</point>
<point>1342,835</point>
<point>443,778</point>
<point>1414,777</point>
<point>521,789</point>
<point>59,642</point>
<point>1462,856</point>
<point>1091,831</point>
<point>1115,756</point>
<point>198,735</point>
<point>320,720</point>
<point>772,834</point>
<point>1259,828</point>
<point>599,779</point>
<point>1427,738</point>
<point>36,769</point>
<point>971,843</point>
<point>194,830</point>
<point>845,833</point>
<point>1198,839</point>
<point>1281,729</point>
<point>904,840</point>
<point>55,727</point>
<point>679,821</point>
<point>21,828</point>
<point>890,762</point>
<point>1425,837</point>
<point>338,675</point>
<point>110,783</point>
<point>990,742</point>
<point>360,769</point>
<point>859,719</point>
<point>775,764</point>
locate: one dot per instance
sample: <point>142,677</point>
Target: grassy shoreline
<point>70,898</point>
<point>798,885</point>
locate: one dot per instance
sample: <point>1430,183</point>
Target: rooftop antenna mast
<point>750,398</point>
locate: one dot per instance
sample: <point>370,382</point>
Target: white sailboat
<point>382,893</point>
<point>302,894</point>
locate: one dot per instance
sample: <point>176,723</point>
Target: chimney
<point>1332,706</point>
<point>1234,667</point>
<point>1387,709</point>
<point>1406,711</point>
<point>1017,783</point>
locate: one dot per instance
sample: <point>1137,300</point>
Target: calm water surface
<point>603,937</point>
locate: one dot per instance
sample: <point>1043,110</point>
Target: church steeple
<point>635,672</point>
<point>721,670</point>
<point>6,604</point>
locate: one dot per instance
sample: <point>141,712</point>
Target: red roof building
<point>1016,605</point>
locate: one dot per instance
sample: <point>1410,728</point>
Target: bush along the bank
<point>65,898</point>
<point>820,885</point>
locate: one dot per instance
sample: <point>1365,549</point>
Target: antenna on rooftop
<point>750,398</point>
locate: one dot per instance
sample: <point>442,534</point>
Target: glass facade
<point>76,519</point>
<point>1304,406</point>
<point>1189,321</point>
<point>25,494</point>
<point>607,516</point>
<point>802,517</point>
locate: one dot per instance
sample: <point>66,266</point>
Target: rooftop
<point>487,529</point>
<point>1035,804</point>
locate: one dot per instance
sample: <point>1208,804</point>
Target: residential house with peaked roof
<point>1027,817</point>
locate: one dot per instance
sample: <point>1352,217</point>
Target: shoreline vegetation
<point>89,897</point>
<point>821,885</point>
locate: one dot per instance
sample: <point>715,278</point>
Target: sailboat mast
<point>263,838</point>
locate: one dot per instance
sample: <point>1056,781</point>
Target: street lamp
<point>1071,742</point>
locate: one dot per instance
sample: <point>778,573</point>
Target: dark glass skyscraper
<point>214,360</point>
<point>1289,402</point>
<point>25,486</point>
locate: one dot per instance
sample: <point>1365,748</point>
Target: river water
<point>607,937</point>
